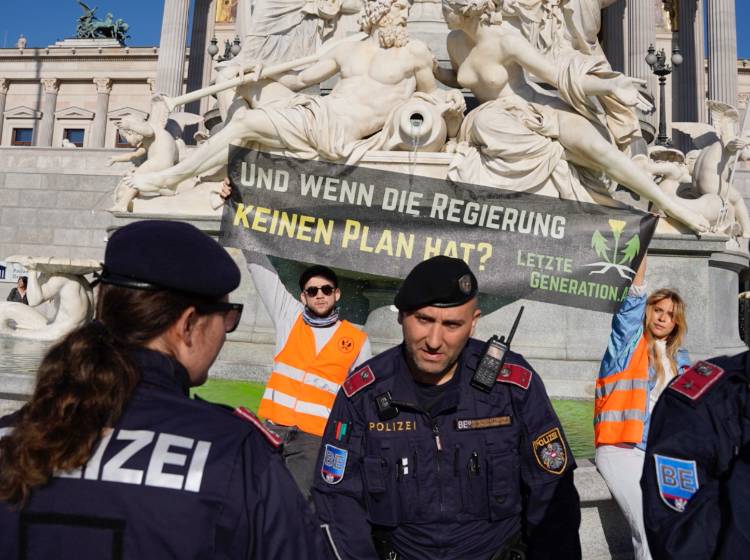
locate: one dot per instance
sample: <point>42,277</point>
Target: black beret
<point>318,270</point>
<point>157,254</point>
<point>440,282</point>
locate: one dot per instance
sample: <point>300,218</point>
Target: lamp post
<point>230,49</point>
<point>658,63</point>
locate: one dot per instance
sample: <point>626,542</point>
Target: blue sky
<point>50,20</point>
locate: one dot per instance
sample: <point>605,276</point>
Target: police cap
<point>439,282</point>
<point>156,254</point>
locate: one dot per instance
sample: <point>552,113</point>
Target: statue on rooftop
<point>91,27</point>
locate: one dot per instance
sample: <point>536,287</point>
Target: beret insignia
<point>272,437</point>
<point>515,375</point>
<point>358,381</point>
<point>464,284</point>
<point>696,381</point>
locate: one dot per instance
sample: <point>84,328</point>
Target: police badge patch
<point>677,480</point>
<point>549,451</point>
<point>334,464</point>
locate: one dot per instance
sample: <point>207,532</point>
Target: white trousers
<point>621,468</point>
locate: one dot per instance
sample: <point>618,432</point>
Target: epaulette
<point>358,381</point>
<point>272,437</point>
<point>696,381</point>
<point>515,375</point>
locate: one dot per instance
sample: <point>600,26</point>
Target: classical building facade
<point>75,91</point>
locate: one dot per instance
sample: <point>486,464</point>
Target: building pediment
<point>74,113</point>
<point>22,112</point>
<point>123,112</point>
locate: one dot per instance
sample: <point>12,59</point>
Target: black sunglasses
<point>232,312</point>
<point>312,291</point>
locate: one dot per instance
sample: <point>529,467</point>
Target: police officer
<point>696,478</point>
<point>433,467</point>
<point>111,458</point>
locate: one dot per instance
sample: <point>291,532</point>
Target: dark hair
<point>318,270</point>
<point>24,280</point>
<point>82,387</point>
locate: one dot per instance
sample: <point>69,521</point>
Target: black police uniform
<point>696,478</point>
<point>461,483</point>
<point>176,478</point>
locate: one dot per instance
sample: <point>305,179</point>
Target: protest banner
<point>519,245</point>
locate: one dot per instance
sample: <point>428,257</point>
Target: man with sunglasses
<point>315,352</point>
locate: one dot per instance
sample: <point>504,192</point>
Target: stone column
<point>4,85</point>
<point>170,67</point>
<point>688,79</point>
<point>613,35</point>
<point>641,34</point>
<point>47,124</point>
<point>687,76</point>
<point>99,128</point>
<point>198,55</point>
<point>199,66</point>
<point>722,52</point>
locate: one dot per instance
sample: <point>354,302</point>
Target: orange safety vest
<point>621,400</point>
<point>303,384</point>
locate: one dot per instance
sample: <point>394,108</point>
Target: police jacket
<point>696,478</point>
<point>481,471</point>
<point>175,478</point>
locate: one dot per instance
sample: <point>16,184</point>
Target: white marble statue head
<point>387,18</point>
<point>134,129</point>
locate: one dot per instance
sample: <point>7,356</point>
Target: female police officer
<point>111,459</point>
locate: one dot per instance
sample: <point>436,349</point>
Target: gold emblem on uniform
<point>393,426</point>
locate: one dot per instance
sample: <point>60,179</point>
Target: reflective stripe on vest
<point>621,401</point>
<point>303,385</point>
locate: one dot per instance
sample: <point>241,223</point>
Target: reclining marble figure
<point>376,76</point>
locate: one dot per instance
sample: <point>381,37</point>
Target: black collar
<point>162,371</point>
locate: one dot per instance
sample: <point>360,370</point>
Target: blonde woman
<point>644,354</point>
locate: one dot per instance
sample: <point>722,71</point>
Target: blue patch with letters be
<point>334,464</point>
<point>677,480</point>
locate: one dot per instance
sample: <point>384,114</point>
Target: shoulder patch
<point>273,438</point>
<point>677,480</point>
<point>515,375</point>
<point>696,381</point>
<point>549,451</point>
<point>358,381</point>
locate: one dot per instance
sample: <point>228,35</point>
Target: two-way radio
<point>493,358</point>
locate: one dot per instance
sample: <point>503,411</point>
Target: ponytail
<point>83,385</point>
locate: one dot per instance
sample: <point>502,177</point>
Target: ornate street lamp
<point>658,63</point>
<point>230,49</point>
